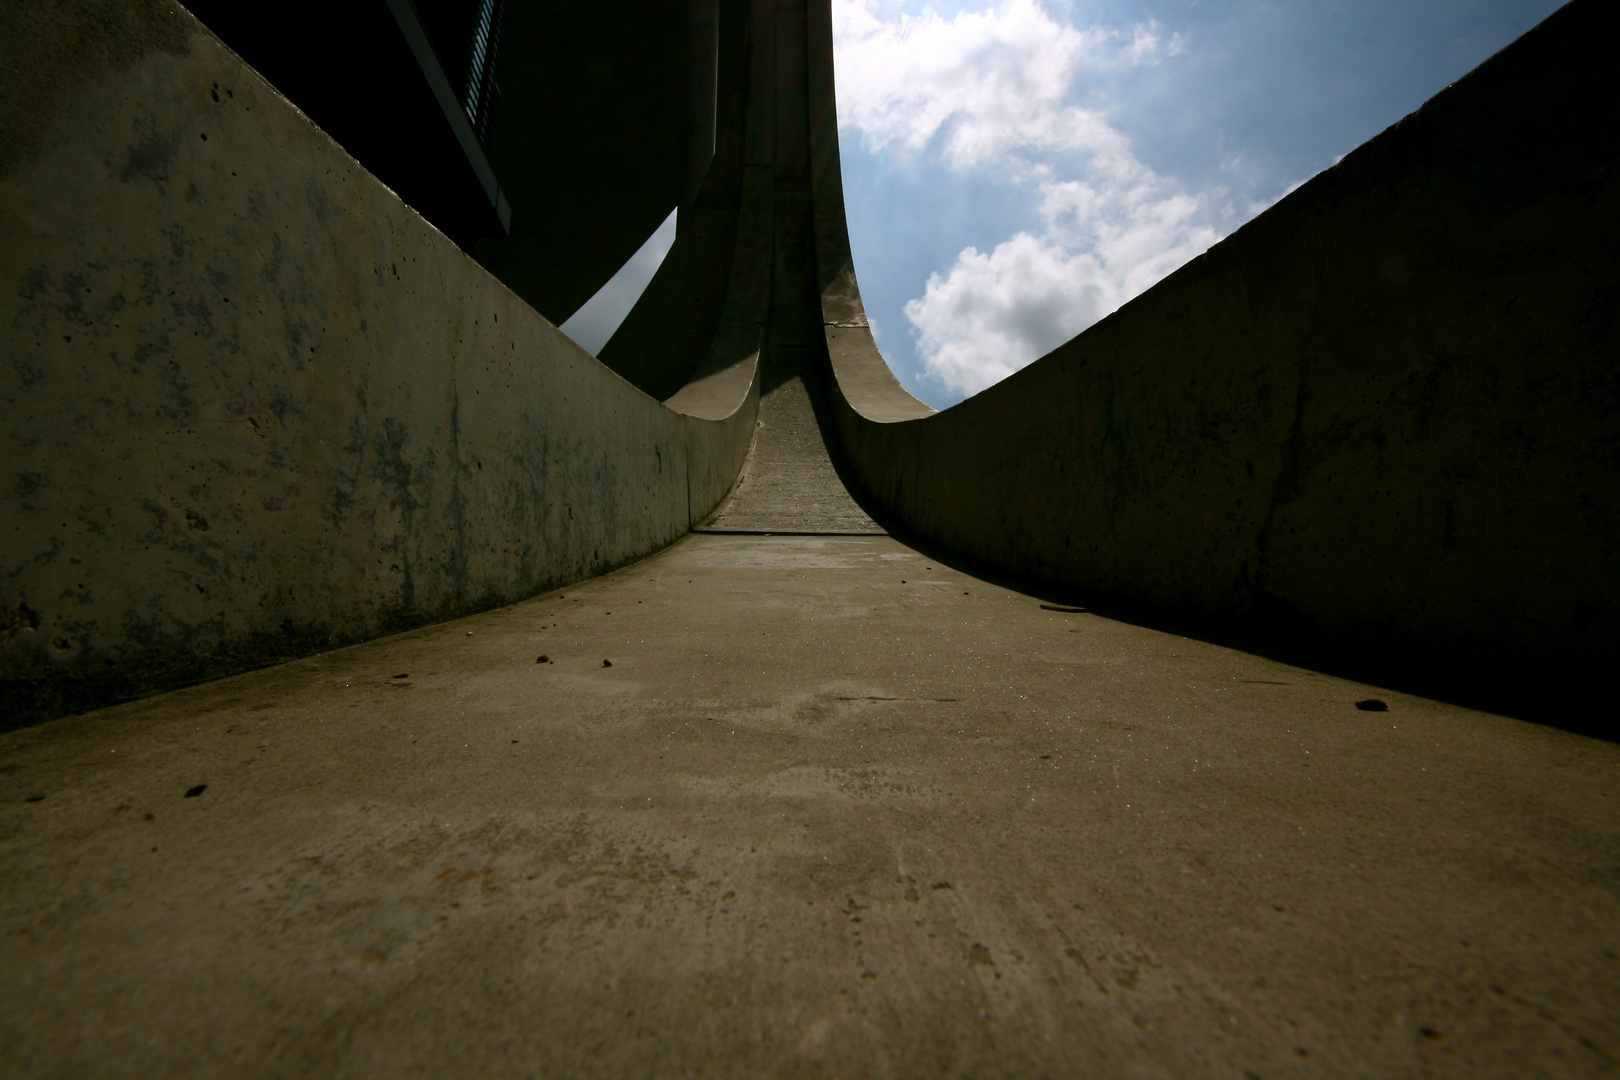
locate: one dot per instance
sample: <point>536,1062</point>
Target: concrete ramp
<point>751,806</point>
<point>789,484</point>
<point>834,810</point>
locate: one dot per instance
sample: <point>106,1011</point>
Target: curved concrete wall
<point>254,405</point>
<point>1387,410</point>
<point>701,287</point>
<point>604,123</point>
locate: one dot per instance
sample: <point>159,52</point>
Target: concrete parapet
<point>255,406</point>
<point>1383,413</point>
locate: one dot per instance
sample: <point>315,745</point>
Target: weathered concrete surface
<point>1384,412</point>
<point>835,810</point>
<point>789,484</point>
<point>254,405</point>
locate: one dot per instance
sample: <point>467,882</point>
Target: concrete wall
<point>667,336</point>
<point>1386,412</point>
<point>253,405</point>
<point>605,122</point>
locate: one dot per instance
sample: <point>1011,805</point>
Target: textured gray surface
<point>252,404</point>
<point>835,810</point>
<point>788,483</point>
<point>792,807</point>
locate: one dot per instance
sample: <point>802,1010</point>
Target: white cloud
<point>992,314</point>
<point>991,91</point>
<point>993,82</point>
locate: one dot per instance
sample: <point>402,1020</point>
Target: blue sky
<point>595,321</point>
<point>1014,171</point>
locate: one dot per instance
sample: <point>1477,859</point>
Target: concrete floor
<point>834,810</point>
<point>788,483</point>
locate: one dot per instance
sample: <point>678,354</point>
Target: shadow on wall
<point>1380,418</point>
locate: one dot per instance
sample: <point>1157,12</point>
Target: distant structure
<point>282,368</point>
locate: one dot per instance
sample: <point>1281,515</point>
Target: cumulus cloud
<point>992,314</point>
<point>989,315</point>
<point>995,79</point>
<point>993,91</point>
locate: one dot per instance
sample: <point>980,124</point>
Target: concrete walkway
<point>789,484</point>
<point>834,810</point>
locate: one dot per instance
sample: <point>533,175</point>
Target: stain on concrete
<point>152,158</point>
<point>64,47</point>
<point>197,433</point>
<point>815,871</point>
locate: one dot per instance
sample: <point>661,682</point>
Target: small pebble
<point>607,663</point>
<point>403,675</point>
<point>542,659</point>
<point>192,793</point>
<point>1372,704</point>
<point>35,797</point>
